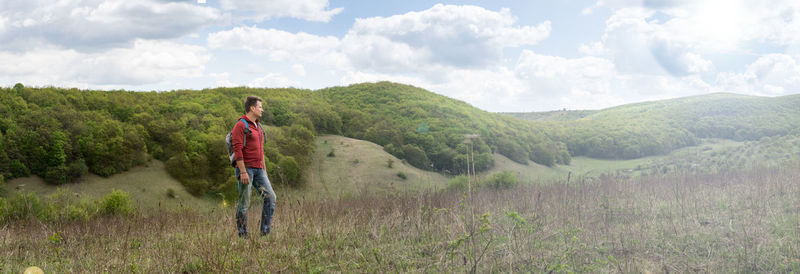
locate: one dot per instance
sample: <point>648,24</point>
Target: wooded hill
<point>60,134</point>
<point>658,127</point>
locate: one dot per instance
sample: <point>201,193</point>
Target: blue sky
<point>496,55</point>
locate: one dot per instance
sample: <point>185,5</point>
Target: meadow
<point>732,221</point>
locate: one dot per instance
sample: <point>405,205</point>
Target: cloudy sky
<point>496,55</point>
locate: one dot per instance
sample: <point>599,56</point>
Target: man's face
<point>257,109</point>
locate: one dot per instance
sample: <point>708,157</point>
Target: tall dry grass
<point>725,222</point>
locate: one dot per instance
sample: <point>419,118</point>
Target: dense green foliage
<point>556,115</point>
<point>117,203</point>
<point>60,134</point>
<point>428,130</point>
<point>503,179</point>
<point>652,128</point>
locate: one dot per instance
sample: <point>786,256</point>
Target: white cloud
<point>444,35</point>
<point>720,25</point>
<point>273,80</point>
<point>95,25</point>
<point>311,10</point>
<point>147,62</point>
<point>253,69</point>
<point>593,49</point>
<point>222,79</point>
<point>772,74</point>
<point>278,45</point>
<point>299,70</point>
<point>560,79</point>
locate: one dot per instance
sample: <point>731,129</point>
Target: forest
<point>62,134</point>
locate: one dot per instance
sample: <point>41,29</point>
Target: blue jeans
<point>259,181</point>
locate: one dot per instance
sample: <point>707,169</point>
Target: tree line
<point>61,134</point>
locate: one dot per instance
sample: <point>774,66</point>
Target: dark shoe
<point>265,232</point>
<point>244,235</point>
<point>241,224</point>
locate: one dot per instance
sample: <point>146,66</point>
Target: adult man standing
<point>250,168</point>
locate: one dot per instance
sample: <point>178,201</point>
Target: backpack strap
<point>246,131</point>
<point>263,133</point>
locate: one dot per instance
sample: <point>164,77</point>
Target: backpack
<point>228,140</point>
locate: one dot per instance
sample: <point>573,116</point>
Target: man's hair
<point>249,102</point>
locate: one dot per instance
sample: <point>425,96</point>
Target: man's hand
<point>244,177</point>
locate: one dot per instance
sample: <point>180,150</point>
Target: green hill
<point>658,127</point>
<point>63,135</point>
<point>556,115</point>
<point>428,129</point>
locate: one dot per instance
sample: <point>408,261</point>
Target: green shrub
<point>19,169</point>
<point>88,205</point>
<point>117,202</point>
<point>504,179</point>
<point>77,213</point>
<point>331,154</point>
<point>458,183</point>
<point>416,157</point>
<point>171,193</point>
<point>4,210</point>
<point>56,175</point>
<point>290,171</point>
<point>401,175</point>
<point>28,205</point>
<point>76,170</point>
<point>2,185</point>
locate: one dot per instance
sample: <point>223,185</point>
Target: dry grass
<point>360,168</point>
<point>727,222</point>
<point>147,186</point>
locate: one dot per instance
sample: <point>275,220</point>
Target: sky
<point>499,56</point>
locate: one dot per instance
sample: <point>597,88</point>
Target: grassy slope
<point>361,167</point>
<point>147,185</point>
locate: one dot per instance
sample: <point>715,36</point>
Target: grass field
<point>728,222</point>
<point>147,186</point>
<point>360,216</point>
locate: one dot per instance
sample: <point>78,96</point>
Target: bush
<point>504,179</point>
<point>4,210</point>
<point>76,170</point>
<point>2,185</point>
<point>56,175</point>
<point>290,171</point>
<point>28,205</point>
<point>416,157</point>
<point>458,183</point>
<point>19,169</point>
<point>401,175</point>
<point>331,154</point>
<point>117,202</point>
<point>171,193</point>
<point>540,155</point>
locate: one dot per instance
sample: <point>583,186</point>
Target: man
<point>250,168</point>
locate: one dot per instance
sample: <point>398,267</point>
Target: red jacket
<point>253,152</point>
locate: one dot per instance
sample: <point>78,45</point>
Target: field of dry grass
<point>724,222</point>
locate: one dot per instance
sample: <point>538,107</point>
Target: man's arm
<point>243,176</point>
<point>238,146</point>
